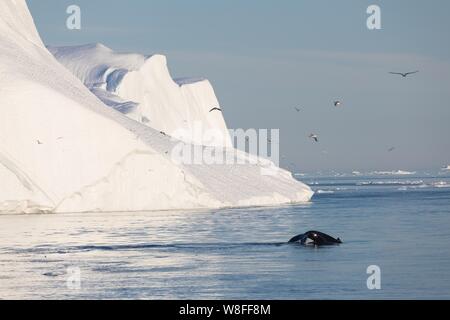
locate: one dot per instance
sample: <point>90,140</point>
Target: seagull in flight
<point>297,109</point>
<point>215,109</point>
<point>314,136</point>
<point>163,133</point>
<point>404,75</point>
<point>337,103</point>
<point>391,149</point>
<point>39,142</point>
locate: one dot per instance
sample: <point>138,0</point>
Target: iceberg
<point>77,144</point>
<point>142,87</point>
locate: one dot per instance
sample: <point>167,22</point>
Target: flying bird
<point>314,136</point>
<point>337,103</point>
<point>39,142</point>
<point>297,109</point>
<point>163,133</point>
<point>404,75</point>
<point>391,149</point>
<point>215,109</point>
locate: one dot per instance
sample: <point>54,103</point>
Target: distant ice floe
<point>391,183</point>
<point>324,191</point>
<point>392,173</point>
<point>435,184</point>
<point>441,184</point>
<point>357,173</point>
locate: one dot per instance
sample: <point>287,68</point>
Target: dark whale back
<point>297,238</point>
<point>325,237</point>
<point>316,238</point>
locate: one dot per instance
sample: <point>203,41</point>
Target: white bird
<point>314,136</point>
<point>404,75</point>
<point>337,103</point>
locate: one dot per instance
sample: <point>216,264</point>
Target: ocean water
<point>399,223</point>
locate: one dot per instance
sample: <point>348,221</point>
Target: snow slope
<point>159,101</point>
<point>63,150</point>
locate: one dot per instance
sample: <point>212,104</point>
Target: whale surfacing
<point>315,238</point>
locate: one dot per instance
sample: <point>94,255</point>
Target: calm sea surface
<point>399,223</point>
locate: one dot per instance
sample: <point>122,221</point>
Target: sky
<point>266,57</point>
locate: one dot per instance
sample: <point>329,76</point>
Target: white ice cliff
<point>142,88</point>
<point>63,150</point>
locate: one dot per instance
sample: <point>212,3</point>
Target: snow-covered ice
<point>62,149</point>
<point>150,95</point>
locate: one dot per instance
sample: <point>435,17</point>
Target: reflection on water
<point>241,253</point>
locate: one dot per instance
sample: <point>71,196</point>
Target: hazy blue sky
<point>266,57</point>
